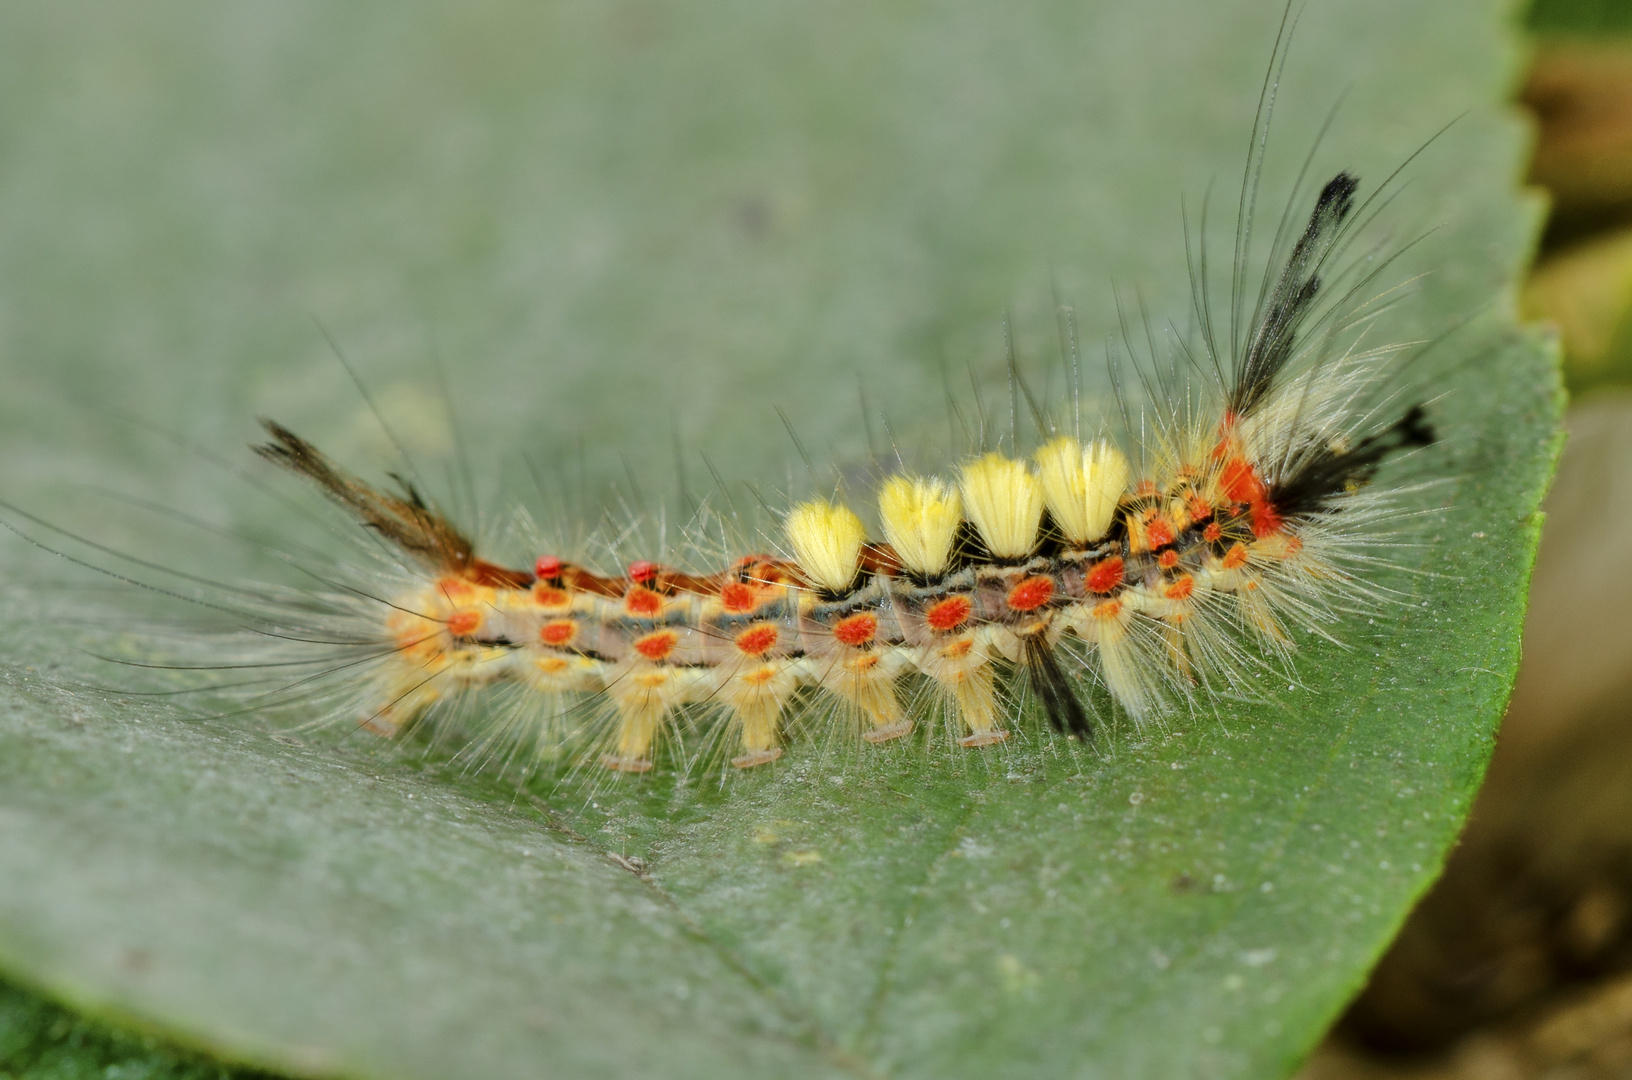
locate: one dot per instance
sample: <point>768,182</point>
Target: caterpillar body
<point>1246,514</point>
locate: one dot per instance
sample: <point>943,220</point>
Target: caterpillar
<point>1175,567</point>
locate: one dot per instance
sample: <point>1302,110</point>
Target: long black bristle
<point>1273,340</point>
<point>1054,690</point>
<point>1324,475</point>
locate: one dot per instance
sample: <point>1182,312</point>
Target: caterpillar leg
<point>404,700</point>
<point>426,662</point>
<point>865,681</point>
<point>1122,664</point>
<point>876,699</point>
<point>1259,615</point>
<point>645,696</point>
<point>963,668</point>
<point>1173,641</point>
<point>975,692</point>
<point>755,694</point>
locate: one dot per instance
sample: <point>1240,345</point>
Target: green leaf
<point>619,225</point>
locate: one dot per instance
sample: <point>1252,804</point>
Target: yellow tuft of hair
<point>921,519</point>
<point>1081,486</point>
<point>1005,502</point>
<point>827,539</point>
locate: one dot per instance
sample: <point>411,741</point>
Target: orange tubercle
<point>1239,482</point>
<point>856,630</point>
<point>549,596</point>
<point>1266,520</point>
<point>948,614</point>
<point>642,602</point>
<point>1181,588</point>
<point>1158,531</point>
<point>464,623</point>
<point>757,640</point>
<point>1105,575</point>
<point>738,598</point>
<point>657,645</point>
<point>1031,594</point>
<point>558,632</point>
<point>1236,557</point>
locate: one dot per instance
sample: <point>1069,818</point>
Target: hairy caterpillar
<point>1242,515</point>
